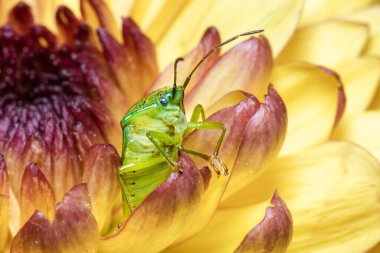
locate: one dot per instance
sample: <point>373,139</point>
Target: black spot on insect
<point>163,101</point>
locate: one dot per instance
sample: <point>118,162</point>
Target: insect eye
<point>163,100</point>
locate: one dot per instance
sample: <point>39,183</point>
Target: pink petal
<point>273,233</point>
<point>245,67</point>
<point>262,141</point>
<point>163,216</point>
<point>100,173</point>
<point>74,228</point>
<point>209,40</point>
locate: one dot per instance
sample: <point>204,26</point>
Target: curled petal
<point>262,141</point>
<point>354,73</point>
<point>100,174</point>
<point>71,30</point>
<point>166,212</point>
<point>278,27</point>
<point>21,18</point>
<point>298,84</point>
<point>246,66</point>
<point>209,40</point>
<point>273,233</point>
<point>326,44</point>
<point>97,14</point>
<point>74,228</point>
<point>36,194</point>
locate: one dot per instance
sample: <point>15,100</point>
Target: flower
<point>62,96</point>
<point>331,188</point>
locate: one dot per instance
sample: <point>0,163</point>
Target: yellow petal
<point>4,204</point>
<point>360,78</point>
<point>368,16</point>
<point>74,228</point>
<point>311,98</point>
<point>326,44</point>
<point>164,215</point>
<point>120,9</point>
<point>277,18</point>
<point>97,14</point>
<point>318,10</point>
<point>36,194</point>
<point>332,191</point>
<point>100,174</point>
<point>375,249</point>
<point>156,17</point>
<point>362,129</point>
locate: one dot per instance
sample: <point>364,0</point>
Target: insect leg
<point>153,136</point>
<point>214,160</point>
<point>203,124</point>
<point>198,111</point>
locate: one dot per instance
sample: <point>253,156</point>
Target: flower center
<point>50,112</point>
<point>33,71</point>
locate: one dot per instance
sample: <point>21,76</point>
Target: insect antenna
<point>175,74</point>
<point>213,50</point>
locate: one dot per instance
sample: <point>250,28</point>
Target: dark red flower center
<point>46,96</point>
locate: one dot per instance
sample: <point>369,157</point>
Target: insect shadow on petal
<point>153,133</point>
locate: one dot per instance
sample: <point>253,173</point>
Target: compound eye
<point>163,101</point>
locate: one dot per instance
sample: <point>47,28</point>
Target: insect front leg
<point>153,136</point>
<point>214,160</point>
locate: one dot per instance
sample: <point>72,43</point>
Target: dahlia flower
<point>66,84</point>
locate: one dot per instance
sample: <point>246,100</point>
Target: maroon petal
<point>36,194</point>
<point>273,233</point>
<point>71,31</point>
<point>163,216</point>
<point>134,63</point>
<point>21,18</point>
<point>74,228</point>
<point>100,173</point>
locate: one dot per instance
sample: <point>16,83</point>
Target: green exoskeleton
<point>153,133</point>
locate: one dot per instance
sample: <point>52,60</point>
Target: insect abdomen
<point>138,184</point>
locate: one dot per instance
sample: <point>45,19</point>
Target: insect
<point>153,133</point>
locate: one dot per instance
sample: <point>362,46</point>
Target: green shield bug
<point>153,132</point>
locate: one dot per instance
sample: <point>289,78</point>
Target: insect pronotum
<point>153,132</point>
